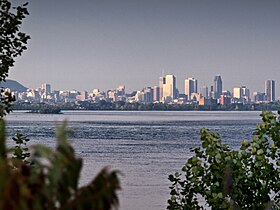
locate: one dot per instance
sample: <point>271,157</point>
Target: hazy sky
<point>86,44</point>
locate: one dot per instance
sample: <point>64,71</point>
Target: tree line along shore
<point>37,107</point>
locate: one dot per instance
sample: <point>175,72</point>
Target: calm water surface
<point>145,146</point>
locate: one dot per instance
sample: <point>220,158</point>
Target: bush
<point>48,180</point>
<point>227,179</point>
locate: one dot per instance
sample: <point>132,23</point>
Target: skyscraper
<point>236,92</point>
<point>46,88</point>
<point>169,88</point>
<point>161,83</point>
<point>269,90</point>
<point>190,87</point>
<point>156,93</point>
<point>217,87</point>
<point>245,93</point>
<point>242,93</point>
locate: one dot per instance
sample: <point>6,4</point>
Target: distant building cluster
<point>165,92</point>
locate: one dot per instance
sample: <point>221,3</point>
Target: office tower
<point>56,95</point>
<point>204,91</point>
<point>161,83</point>
<point>112,95</point>
<point>269,90</point>
<point>245,94</point>
<point>190,87</point>
<point>225,100</point>
<point>217,86</point>
<point>148,94</point>
<point>46,88</point>
<point>156,93</point>
<point>242,94</point>
<point>236,92</point>
<point>83,96</point>
<point>169,88</point>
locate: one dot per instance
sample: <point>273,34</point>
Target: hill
<point>13,86</point>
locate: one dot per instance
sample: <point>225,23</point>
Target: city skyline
<point>166,91</point>
<point>104,44</point>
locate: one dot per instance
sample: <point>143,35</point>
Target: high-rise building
<point>46,88</point>
<point>217,86</point>
<point>225,100</point>
<point>161,83</point>
<point>148,94</point>
<point>83,96</point>
<point>245,94</point>
<point>112,95</point>
<point>156,93</point>
<point>269,90</point>
<point>242,94</point>
<point>226,93</point>
<point>190,87</point>
<point>169,88</point>
<point>236,92</point>
<point>204,91</point>
<point>258,97</point>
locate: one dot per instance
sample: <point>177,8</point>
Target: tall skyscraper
<point>217,87</point>
<point>46,88</point>
<point>156,93</point>
<point>245,93</point>
<point>269,90</point>
<point>161,83</point>
<point>190,87</point>
<point>169,88</point>
<point>236,92</point>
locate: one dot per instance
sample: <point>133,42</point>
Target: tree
<point>12,44</point>
<point>227,179</point>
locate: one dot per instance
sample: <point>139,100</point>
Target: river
<point>145,146</point>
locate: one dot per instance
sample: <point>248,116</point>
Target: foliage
<point>136,106</point>
<point>46,109</point>
<point>21,150</point>
<point>48,180</point>
<point>12,44</point>
<point>226,179</point>
<point>13,41</point>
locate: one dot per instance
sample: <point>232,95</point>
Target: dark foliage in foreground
<point>44,179</point>
<point>12,44</point>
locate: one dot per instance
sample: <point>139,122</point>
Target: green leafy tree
<point>12,44</point>
<point>227,179</point>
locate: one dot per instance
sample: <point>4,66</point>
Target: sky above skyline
<point>90,44</point>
